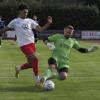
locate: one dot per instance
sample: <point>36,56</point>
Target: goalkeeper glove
<point>93,48</point>
<point>50,46</point>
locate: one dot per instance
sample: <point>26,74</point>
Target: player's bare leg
<point>20,68</point>
<point>33,61</point>
<point>17,70</point>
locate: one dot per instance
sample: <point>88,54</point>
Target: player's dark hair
<point>22,6</point>
<point>70,27</point>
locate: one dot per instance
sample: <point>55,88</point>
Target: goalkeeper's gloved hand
<point>93,48</point>
<point>50,46</point>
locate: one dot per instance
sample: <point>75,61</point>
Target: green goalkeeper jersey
<point>63,48</point>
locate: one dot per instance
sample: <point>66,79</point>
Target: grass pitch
<point>83,82</point>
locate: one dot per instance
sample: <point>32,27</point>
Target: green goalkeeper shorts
<point>61,63</point>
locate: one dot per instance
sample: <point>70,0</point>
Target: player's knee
<point>31,58</point>
<point>63,75</point>
<point>63,72</point>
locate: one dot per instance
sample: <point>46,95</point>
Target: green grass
<point>83,82</point>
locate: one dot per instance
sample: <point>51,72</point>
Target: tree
<point>90,2</point>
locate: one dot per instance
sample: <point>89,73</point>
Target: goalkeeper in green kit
<point>59,61</point>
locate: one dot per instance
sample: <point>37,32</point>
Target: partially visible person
<point>35,32</point>
<point>2,25</point>
<point>58,63</point>
<point>25,38</point>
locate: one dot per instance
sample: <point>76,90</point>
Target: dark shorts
<point>53,61</point>
<point>63,70</point>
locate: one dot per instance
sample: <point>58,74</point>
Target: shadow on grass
<point>21,89</point>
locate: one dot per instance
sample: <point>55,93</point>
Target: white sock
<point>18,68</point>
<point>37,79</point>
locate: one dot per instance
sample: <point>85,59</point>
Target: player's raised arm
<point>42,28</point>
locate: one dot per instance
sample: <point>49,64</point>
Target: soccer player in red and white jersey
<point>23,28</point>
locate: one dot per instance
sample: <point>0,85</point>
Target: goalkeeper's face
<point>68,32</point>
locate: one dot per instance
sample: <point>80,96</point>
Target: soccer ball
<point>49,85</point>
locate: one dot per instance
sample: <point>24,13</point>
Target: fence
<point>84,34</point>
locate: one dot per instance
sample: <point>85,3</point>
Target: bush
<point>82,17</point>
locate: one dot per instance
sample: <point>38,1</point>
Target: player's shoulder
<point>29,19</point>
<point>58,34</point>
<point>15,19</point>
<point>73,39</point>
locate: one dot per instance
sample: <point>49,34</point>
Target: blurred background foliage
<point>83,14</point>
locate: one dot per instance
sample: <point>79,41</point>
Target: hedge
<point>82,17</point>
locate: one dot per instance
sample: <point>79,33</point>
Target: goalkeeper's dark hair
<point>22,6</point>
<point>69,27</point>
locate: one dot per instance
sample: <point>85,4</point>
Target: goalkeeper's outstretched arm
<point>87,50</point>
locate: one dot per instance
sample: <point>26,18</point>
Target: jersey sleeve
<point>76,45</point>
<point>12,24</point>
<point>34,24</point>
<point>53,38</point>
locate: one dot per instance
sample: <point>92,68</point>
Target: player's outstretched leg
<point>46,75</point>
<point>22,67</point>
<point>59,75</point>
<point>51,72</point>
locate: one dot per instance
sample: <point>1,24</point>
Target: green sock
<point>51,74</point>
<point>57,77</point>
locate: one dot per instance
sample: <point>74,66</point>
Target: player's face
<point>68,32</point>
<point>23,13</point>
